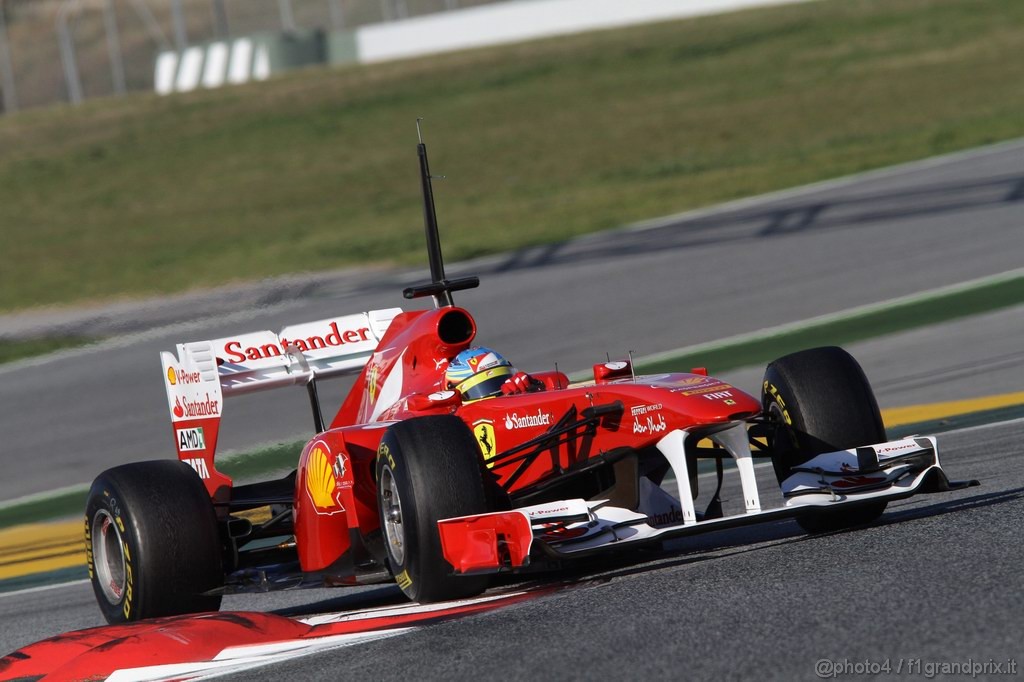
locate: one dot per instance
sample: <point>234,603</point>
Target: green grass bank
<point>539,142</point>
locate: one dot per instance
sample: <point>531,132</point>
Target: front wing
<point>570,529</point>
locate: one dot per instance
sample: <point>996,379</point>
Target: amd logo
<point>191,439</point>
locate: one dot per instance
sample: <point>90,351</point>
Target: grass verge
<point>284,456</point>
<point>908,313</point>
<point>901,316</point>
<point>68,503</point>
<point>57,506</point>
<point>16,350</point>
<point>540,142</point>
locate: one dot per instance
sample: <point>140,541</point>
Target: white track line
<point>43,588</point>
<point>824,185</point>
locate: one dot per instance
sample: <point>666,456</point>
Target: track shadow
<point>778,533</point>
<point>386,595</point>
<point>683,552</point>
<point>780,219</point>
<point>948,507</point>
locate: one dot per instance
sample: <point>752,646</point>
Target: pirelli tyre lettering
<point>152,543</point>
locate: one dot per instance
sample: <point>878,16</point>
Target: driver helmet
<point>478,373</point>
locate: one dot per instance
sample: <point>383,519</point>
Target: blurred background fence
<point>54,51</point>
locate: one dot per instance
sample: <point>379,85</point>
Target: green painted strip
<point>961,421</point>
<point>17,349</point>
<point>941,305</point>
<point>59,576</point>
<point>44,508</point>
<point>281,457</point>
<point>66,503</point>
<point>857,325</point>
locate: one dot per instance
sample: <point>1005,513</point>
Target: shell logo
<point>320,482</point>
<point>171,378</point>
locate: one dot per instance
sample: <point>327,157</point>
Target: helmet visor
<point>486,384</point>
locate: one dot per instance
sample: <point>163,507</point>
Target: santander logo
<point>235,352</point>
<point>514,421</point>
<point>183,407</point>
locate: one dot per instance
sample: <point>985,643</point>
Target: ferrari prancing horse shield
<point>483,431</point>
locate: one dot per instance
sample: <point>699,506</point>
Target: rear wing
<point>205,372</point>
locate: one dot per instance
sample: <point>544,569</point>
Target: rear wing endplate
<point>205,372</point>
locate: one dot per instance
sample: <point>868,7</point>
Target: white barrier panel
<point>261,64</point>
<point>216,65</point>
<point>211,66</point>
<point>525,20</point>
<point>166,67</point>
<point>189,70</point>
<point>245,59</point>
<point>241,61</point>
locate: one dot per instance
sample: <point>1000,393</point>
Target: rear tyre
<point>152,542</point>
<point>428,468</point>
<point>819,400</point>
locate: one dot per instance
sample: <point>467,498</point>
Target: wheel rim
<point>391,509</point>
<point>108,556</point>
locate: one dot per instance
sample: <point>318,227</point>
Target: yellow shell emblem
<point>320,481</point>
<point>171,378</point>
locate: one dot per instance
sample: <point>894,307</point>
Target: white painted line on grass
<point>44,496</point>
<point>829,318</point>
<point>43,588</point>
<point>821,186</point>
<point>126,340</point>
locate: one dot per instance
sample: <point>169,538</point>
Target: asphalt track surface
<point>681,281</point>
<point>937,578</point>
<point>925,583</point>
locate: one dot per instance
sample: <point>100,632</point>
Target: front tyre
<point>152,542</point>
<point>428,468</point>
<point>819,400</point>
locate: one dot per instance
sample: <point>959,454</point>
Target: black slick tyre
<point>819,400</point>
<point>152,542</point>
<point>428,468</point>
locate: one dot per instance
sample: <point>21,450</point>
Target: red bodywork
<point>335,499</point>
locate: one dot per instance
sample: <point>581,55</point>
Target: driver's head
<point>478,373</point>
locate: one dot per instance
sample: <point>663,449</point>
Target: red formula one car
<point>412,484</point>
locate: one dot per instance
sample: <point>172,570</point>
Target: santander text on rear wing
<point>205,372</point>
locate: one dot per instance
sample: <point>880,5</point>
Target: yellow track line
<point>900,416</point>
<point>41,547</point>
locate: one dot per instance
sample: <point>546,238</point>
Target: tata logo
<point>191,439</point>
<point>199,465</point>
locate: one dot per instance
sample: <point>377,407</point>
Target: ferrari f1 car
<point>408,483</point>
